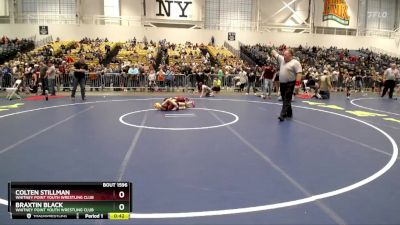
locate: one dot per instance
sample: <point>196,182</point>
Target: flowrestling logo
<point>336,10</point>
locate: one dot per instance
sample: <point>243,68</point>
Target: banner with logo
<point>231,36</point>
<point>336,13</point>
<point>44,30</point>
<point>174,9</point>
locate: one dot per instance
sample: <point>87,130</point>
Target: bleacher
<point>114,76</point>
<point>185,54</point>
<point>222,55</point>
<point>12,48</point>
<point>137,54</point>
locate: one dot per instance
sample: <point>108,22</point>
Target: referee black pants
<point>389,84</point>
<point>45,85</point>
<point>81,81</point>
<point>287,90</point>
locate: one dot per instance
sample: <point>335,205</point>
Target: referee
<point>289,77</point>
<point>390,76</point>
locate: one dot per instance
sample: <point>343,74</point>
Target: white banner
<point>174,10</point>
<point>4,8</point>
<point>336,13</point>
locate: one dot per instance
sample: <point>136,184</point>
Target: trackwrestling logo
<point>336,10</point>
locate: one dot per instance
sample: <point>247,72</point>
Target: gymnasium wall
<point>93,7</point>
<point>131,7</point>
<point>122,33</point>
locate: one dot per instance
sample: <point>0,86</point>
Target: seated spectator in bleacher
<point>4,40</point>
<point>107,48</point>
<point>207,70</point>
<point>134,41</point>
<point>69,59</point>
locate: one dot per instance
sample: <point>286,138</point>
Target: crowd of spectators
<point>167,65</point>
<point>363,67</point>
<point>10,48</point>
<point>135,64</point>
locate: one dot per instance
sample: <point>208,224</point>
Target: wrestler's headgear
<point>157,105</point>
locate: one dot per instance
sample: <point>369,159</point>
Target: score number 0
<point>121,195</point>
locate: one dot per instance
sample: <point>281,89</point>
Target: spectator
<point>51,78</point>
<point>79,73</point>
<point>161,77</point>
<point>251,81</point>
<point>242,79</point>
<point>268,76</point>
<point>169,78</point>
<point>200,79</point>
<point>325,85</point>
<point>335,79</point>
<point>389,78</point>
<point>43,77</point>
<point>152,79</point>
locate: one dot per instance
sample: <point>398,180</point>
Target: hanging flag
<point>336,10</point>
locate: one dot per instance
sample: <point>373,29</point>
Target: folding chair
<point>13,90</point>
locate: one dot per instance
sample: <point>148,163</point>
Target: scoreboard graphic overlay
<point>70,200</point>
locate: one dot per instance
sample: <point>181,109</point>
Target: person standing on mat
<point>51,78</point>
<point>289,78</point>
<point>389,78</point>
<point>268,75</point>
<point>79,73</point>
<point>43,78</point>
